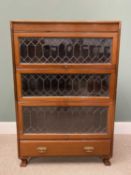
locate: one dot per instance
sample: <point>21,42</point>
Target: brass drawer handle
<point>88,149</point>
<point>41,149</point>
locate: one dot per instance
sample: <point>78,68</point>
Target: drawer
<point>65,148</point>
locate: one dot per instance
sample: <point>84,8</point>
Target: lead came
<point>65,50</point>
<point>65,84</point>
<point>57,119</point>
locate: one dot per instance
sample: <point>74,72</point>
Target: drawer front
<point>65,148</point>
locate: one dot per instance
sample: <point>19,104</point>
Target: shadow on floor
<point>65,160</point>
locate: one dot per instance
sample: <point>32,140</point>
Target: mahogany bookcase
<point>65,78</point>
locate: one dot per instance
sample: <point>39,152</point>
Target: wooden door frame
<point>112,84</point>
<point>109,65</point>
<point>66,136</point>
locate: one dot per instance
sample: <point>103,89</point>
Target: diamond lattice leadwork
<point>65,50</point>
<point>65,84</point>
<point>53,119</point>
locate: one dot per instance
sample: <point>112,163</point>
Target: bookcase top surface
<point>65,26</point>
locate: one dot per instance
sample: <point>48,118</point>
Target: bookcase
<point>65,78</point>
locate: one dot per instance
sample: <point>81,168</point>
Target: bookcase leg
<point>106,161</point>
<point>24,162</point>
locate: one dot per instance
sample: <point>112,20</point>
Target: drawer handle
<point>41,149</point>
<point>88,149</point>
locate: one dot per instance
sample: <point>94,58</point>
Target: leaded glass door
<point>62,120</point>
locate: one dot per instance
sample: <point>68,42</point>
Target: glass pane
<point>65,50</point>
<point>65,84</point>
<point>54,119</point>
